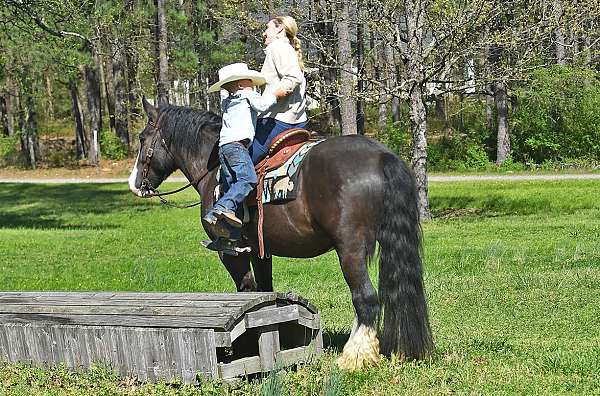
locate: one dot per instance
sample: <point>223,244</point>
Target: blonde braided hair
<point>291,30</point>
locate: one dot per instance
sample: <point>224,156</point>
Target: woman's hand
<point>281,92</point>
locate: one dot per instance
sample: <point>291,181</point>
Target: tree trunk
<point>489,111</point>
<point>414,24</point>
<point>381,74</point>
<point>131,59</point>
<point>503,149</point>
<point>197,92</point>
<point>3,116</point>
<point>329,102</point>
<point>133,100</point>
<point>587,43</point>
<point>93,103</point>
<point>360,60</point>
<point>99,72</point>
<point>393,75</point>
<point>11,107</point>
<point>107,84</point>
<point>120,93</point>
<point>29,136</point>
<point>347,99</point>
<point>419,150</point>
<point>162,80</point>
<point>50,109</point>
<point>76,112</point>
<point>561,58</point>
<point>559,36</point>
<point>271,9</point>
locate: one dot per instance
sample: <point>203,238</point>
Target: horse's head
<point>154,162</point>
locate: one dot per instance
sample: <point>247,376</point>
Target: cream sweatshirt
<point>281,69</point>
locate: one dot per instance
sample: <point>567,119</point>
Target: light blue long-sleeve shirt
<point>240,111</point>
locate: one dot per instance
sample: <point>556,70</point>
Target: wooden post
<point>268,346</point>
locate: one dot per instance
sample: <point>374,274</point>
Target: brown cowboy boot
<point>229,217</point>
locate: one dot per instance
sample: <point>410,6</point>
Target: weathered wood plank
<point>186,349</point>
<point>238,330</point>
<point>240,367</point>
<point>148,354</point>
<point>123,296</point>
<point>205,353</point>
<point>216,322</point>
<point>17,302</point>
<point>111,310</point>
<point>268,316</point>
<point>317,342</point>
<point>4,345</point>
<point>223,339</point>
<point>293,356</point>
<point>152,355</point>
<point>268,346</point>
<point>287,297</point>
<point>308,319</point>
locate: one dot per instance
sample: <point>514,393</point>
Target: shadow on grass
<point>52,206</point>
<point>335,340</point>
<point>448,206</point>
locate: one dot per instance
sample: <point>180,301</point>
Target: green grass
<point>512,277</point>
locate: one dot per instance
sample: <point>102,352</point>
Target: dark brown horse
<point>352,194</point>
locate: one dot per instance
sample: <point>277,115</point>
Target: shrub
<point>396,136</point>
<point>557,115</point>
<point>9,151</point>
<point>112,147</point>
<point>475,157</point>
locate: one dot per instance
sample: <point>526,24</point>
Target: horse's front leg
<point>263,271</point>
<point>239,269</point>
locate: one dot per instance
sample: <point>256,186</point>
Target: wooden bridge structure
<point>160,336</point>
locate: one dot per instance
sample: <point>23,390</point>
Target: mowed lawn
<point>512,272</point>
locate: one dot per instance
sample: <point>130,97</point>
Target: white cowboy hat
<point>234,72</point>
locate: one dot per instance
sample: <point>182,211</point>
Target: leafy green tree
<point>557,117</point>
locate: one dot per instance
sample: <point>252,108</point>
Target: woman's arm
<point>285,61</point>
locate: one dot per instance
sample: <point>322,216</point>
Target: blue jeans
<point>237,175</point>
<point>266,130</point>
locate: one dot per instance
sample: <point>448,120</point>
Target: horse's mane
<point>188,127</point>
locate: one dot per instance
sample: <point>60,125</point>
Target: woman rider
<point>282,68</point>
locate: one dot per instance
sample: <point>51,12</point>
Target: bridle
<point>148,191</point>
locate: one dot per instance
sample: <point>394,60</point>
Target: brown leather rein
<point>147,186</point>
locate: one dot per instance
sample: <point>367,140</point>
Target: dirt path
<point>179,179</point>
<point>582,176</point>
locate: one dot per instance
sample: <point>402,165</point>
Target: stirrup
<point>226,246</point>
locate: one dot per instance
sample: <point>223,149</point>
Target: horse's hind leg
<point>362,348</point>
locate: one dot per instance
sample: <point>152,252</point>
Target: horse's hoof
<point>361,350</point>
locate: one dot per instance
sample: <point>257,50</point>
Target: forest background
<point>448,85</point>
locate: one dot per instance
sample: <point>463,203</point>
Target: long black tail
<point>406,328</point>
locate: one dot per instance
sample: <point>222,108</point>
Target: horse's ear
<point>150,110</point>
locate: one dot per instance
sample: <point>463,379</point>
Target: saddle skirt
<point>279,184</point>
<point>278,173</point>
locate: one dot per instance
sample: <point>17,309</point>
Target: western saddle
<point>283,147</point>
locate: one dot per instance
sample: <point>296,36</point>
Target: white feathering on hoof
<point>361,350</point>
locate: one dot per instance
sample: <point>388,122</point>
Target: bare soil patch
<point>106,169</point>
